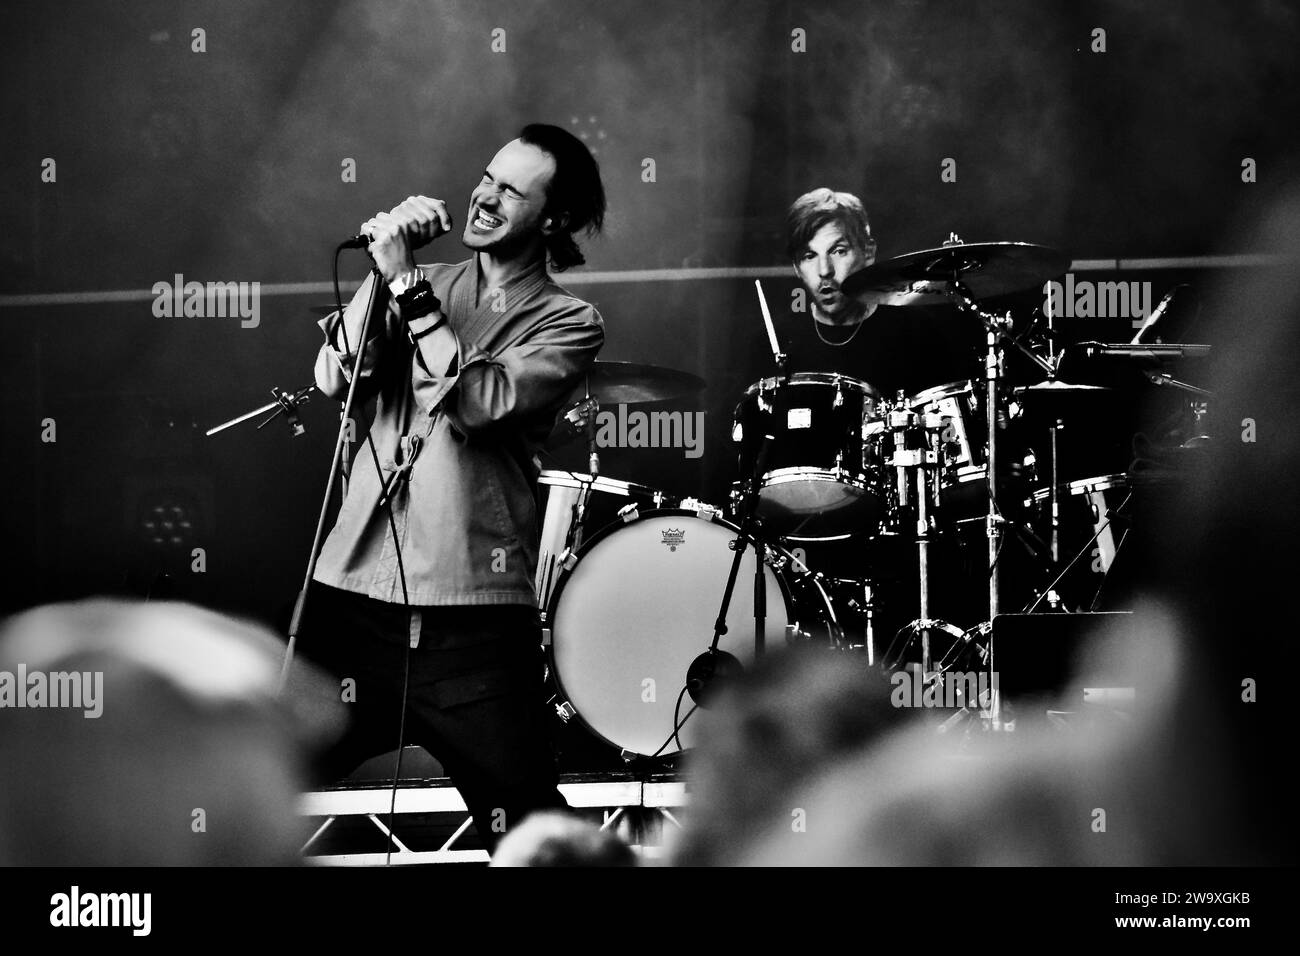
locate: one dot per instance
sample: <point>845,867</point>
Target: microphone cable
<point>387,500</point>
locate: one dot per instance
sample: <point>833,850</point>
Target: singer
<point>469,367</point>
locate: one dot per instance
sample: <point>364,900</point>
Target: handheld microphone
<point>359,241</point>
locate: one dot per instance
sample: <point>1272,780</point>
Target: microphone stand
<point>378,300</point>
<point>286,403</point>
<point>713,663</point>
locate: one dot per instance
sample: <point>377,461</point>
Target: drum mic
<point>1156,315</point>
<point>707,670</point>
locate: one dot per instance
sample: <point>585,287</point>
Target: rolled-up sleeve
<point>335,362</point>
<point>480,391</point>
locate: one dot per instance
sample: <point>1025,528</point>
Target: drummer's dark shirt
<point>895,348</point>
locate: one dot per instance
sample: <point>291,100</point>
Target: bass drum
<point>638,607</point>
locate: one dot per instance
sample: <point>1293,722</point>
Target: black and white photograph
<point>443,436</point>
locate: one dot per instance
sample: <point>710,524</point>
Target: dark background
<point>225,166</point>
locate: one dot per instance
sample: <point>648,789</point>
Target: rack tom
<point>820,473</point>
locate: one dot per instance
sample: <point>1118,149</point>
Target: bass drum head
<point>634,612</point>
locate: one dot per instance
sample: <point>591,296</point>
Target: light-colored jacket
<point>458,450</point>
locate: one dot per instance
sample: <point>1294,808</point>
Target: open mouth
<point>486,222</point>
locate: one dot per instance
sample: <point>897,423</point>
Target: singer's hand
<point>412,224</point>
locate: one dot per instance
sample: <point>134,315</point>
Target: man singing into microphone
<point>434,551</point>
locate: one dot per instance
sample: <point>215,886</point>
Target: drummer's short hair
<point>815,209</point>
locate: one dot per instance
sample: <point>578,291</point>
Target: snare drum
<point>638,606</point>
<point>821,475</point>
<point>578,506</point>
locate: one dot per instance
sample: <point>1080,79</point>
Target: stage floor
<point>431,825</point>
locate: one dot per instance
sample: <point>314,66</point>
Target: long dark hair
<point>575,194</point>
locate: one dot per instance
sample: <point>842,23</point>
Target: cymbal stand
<point>997,331</point>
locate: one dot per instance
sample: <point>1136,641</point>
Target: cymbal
<point>981,269</point>
<point>1055,387</point>
<point>628,383</point>
<point>1055,398</point>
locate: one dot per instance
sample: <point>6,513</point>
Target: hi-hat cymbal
<point>627,383</point>
<point>1055,397</point>
<point>980,270</point>
<point>1056,387</point>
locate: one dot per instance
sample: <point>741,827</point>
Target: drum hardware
<point>1200,433</point>
<point>701,508</point>
<point>997,331</point>
<point>909,429</point>
<point>866,609</point>
<point>565,525</point>
<point>1054,542</point>
<point>922,628</point>
<point>977,639</point>
<point>1165,379</point>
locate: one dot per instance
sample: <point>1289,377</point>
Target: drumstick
<point>767,320</point>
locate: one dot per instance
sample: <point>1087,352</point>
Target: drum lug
<point>565,711</point>
<point>546,632</point>
<point>701,509</point>
<point>629,513</point>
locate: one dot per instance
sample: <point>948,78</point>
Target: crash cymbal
<point>627,383</point>
<point>981,270</point>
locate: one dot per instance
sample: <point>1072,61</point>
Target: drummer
<point>828,238</point>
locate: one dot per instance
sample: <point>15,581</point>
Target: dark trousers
<point>475,698</point>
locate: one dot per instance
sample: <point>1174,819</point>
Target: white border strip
<point>326,289</point>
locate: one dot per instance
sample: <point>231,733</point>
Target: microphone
<point>711,667</point>
<point>1156,315</point>
<point>359,241</point>
<point>1149,353</point>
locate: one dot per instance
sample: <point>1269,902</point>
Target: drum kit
<point>635,586</point>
